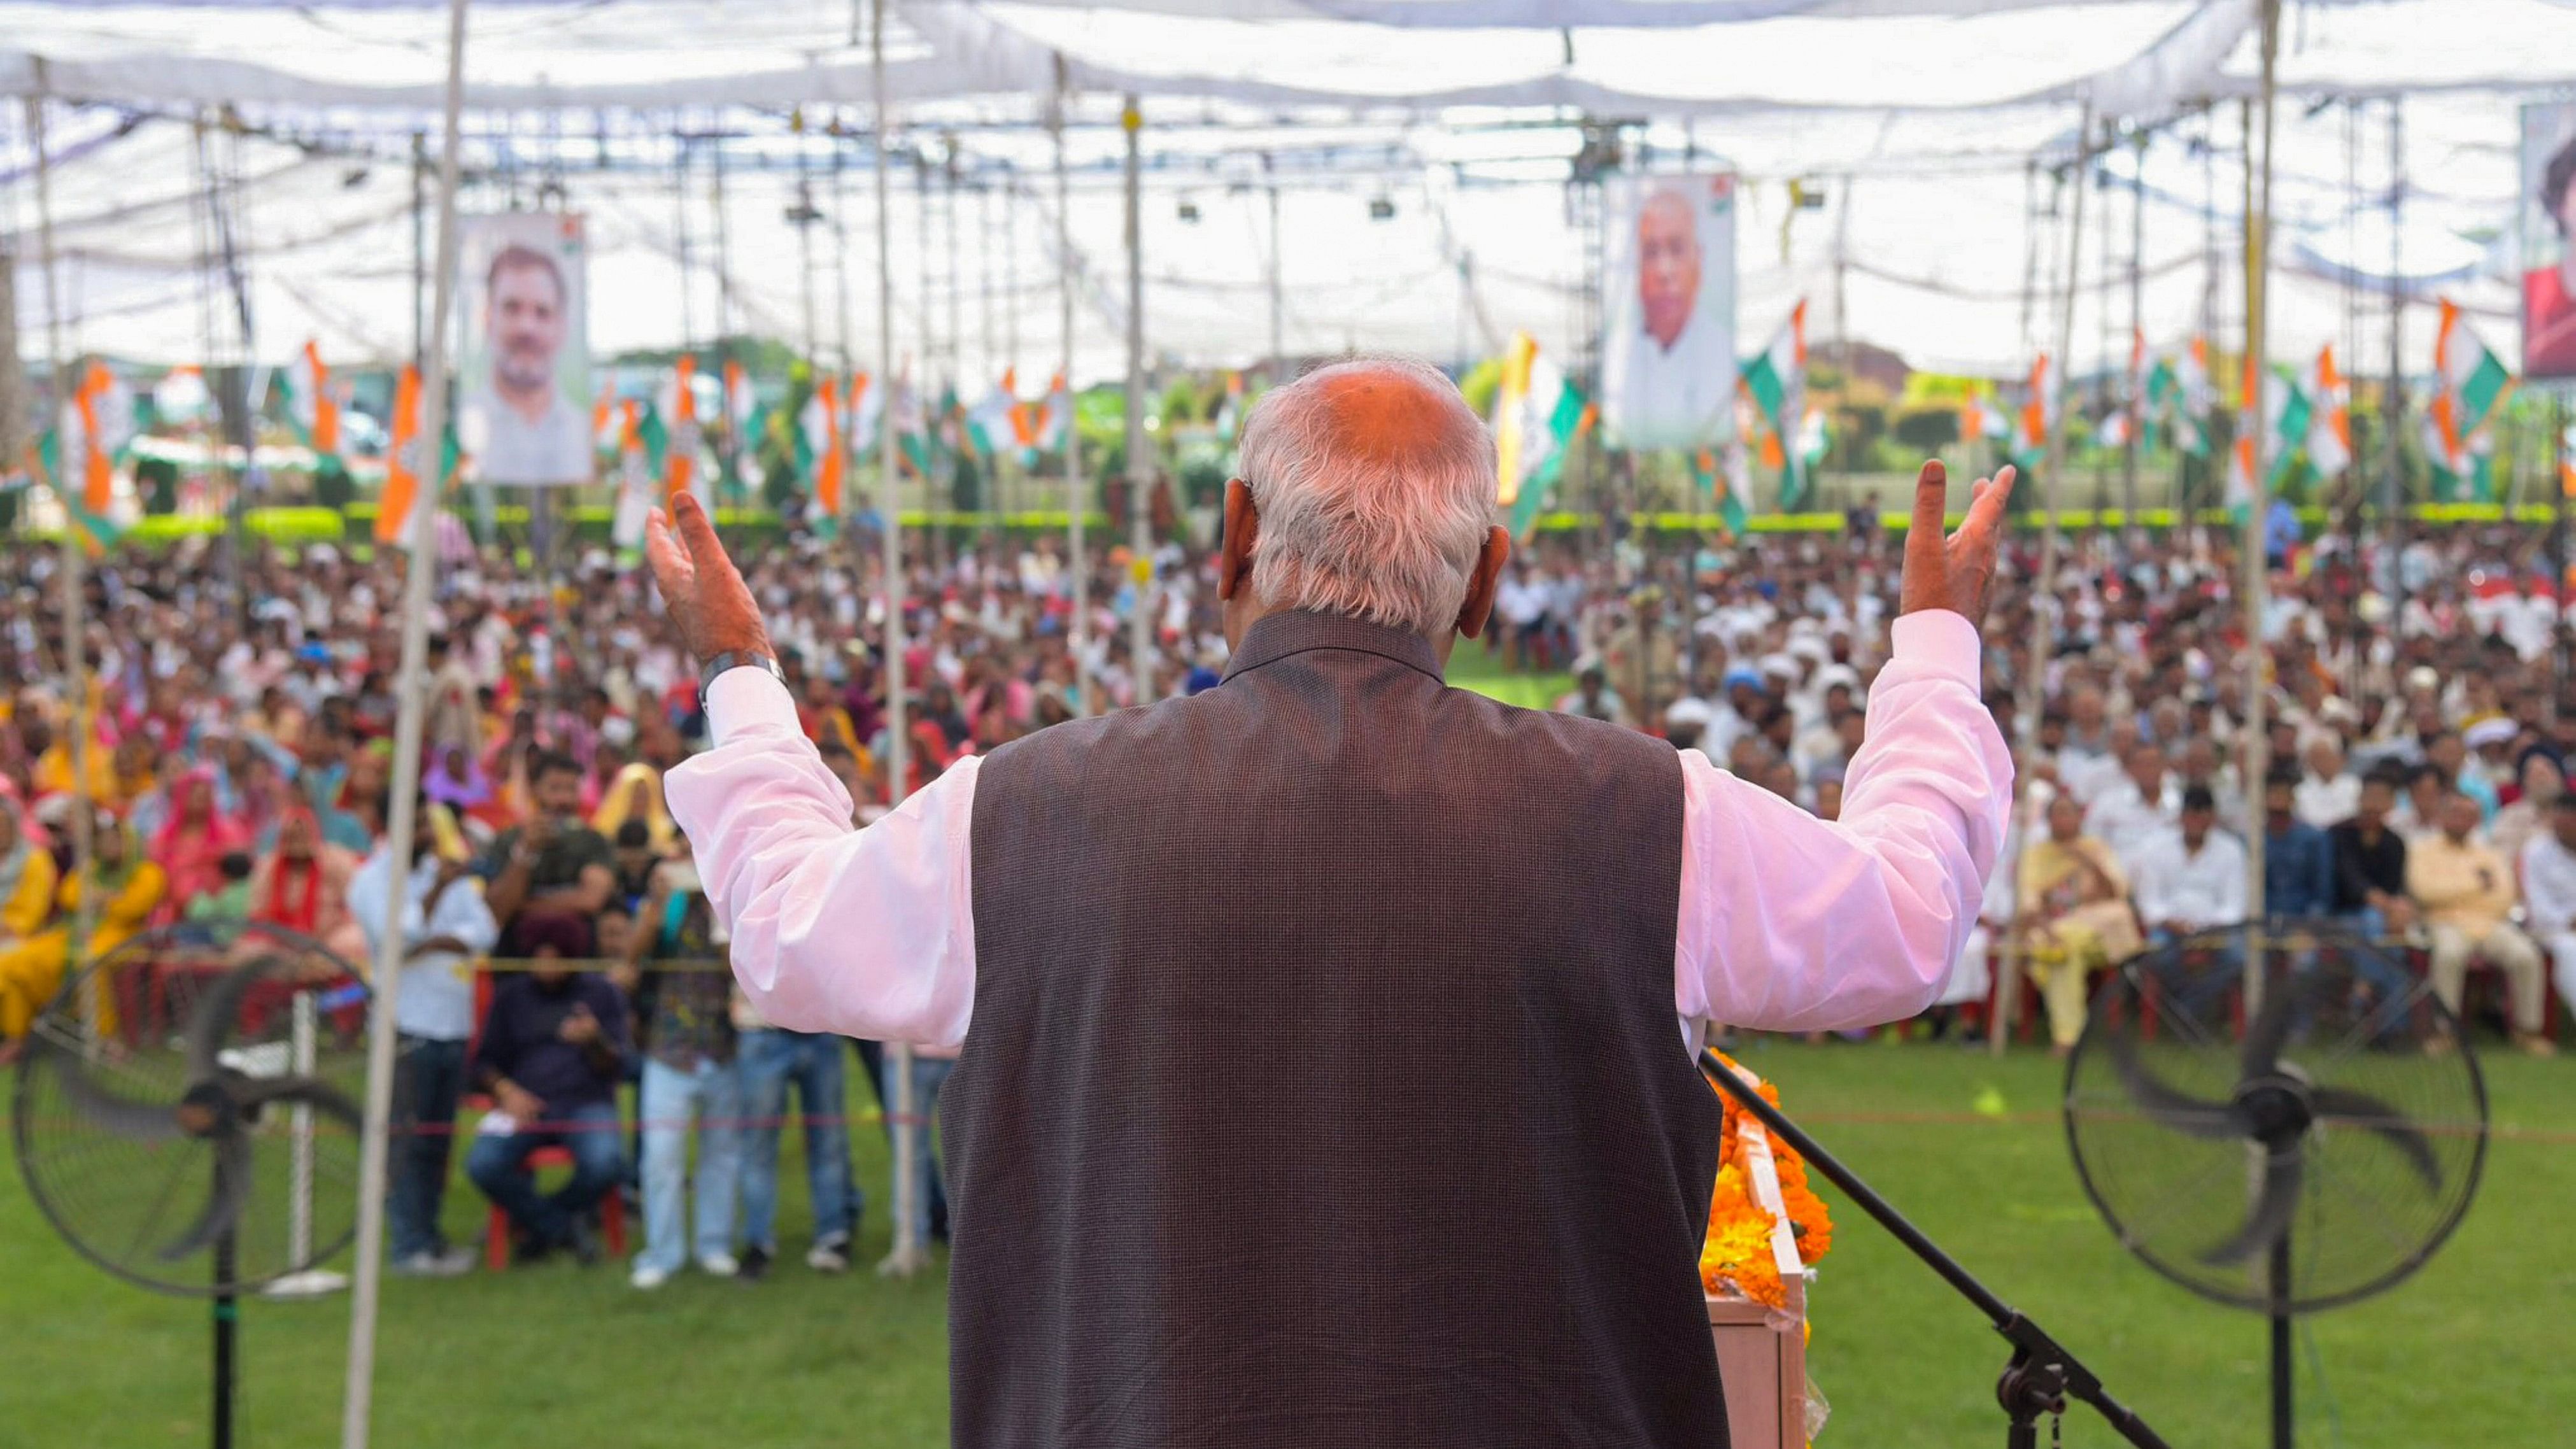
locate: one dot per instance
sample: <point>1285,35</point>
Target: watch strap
<point>732,659</point>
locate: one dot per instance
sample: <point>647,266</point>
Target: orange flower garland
<point>1736,1258</point>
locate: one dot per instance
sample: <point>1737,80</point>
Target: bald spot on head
<point>1378,414</point>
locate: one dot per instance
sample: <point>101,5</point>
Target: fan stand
<point>2283,1433</point>
<point>227,1338</point>
<point>2041,1375</point>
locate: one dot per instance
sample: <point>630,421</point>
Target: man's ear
<point>1234,551</point>
<point>1486,577</point>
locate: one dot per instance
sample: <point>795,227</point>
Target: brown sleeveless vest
<point>1324,1087</point>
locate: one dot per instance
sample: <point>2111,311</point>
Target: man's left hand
<point>705,594</point>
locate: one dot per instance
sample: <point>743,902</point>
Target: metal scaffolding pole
<point>419,568</point>
<point>910,1255</point>
<point>1078,638</point>
<point>2042,635</point>
<point>1140,474</point>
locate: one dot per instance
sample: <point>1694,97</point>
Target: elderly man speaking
<point>1328,1072</point>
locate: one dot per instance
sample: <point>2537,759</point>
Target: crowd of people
<point>240,713</point>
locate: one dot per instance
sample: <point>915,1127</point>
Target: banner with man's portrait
<point>2549,241</point>
<point>1668,312</point>
<point>523,411</point>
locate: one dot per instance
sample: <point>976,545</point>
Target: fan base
<point>311,1283</point>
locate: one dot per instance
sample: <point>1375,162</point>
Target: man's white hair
<point>1362,519</point>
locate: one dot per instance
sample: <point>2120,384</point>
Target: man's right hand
<point>708,601</point>
<point>1953,571</point>
<point>521,1104</point>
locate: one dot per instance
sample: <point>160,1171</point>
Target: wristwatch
<point>732,659</point>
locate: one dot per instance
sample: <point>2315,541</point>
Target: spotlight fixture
<point>1190,212</point>
<point>1381,209</point>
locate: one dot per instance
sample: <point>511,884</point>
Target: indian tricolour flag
<point>988,424</point>
<point>2036,418</point>
<point>95,428</point>
<point>402,461</point>
<point>1039,423</point>
<point>1776,378</point>
<point>2469,381</point>
<point>862,408</point>
<point>309,401</point>
<point>1538,411</point>
<point>821,441</point>
<point>2329,415</point>
<point>637,434</point>
<point>741,419</point>
<point>2177,395</point>
<point>678,407</point>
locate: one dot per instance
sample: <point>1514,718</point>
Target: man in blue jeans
<point>771,1060</point>
<point>552,1054</point>
<point>690,1067</point>
<point>444,926</point>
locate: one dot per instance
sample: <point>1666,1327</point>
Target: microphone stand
<point>2042,1375</point>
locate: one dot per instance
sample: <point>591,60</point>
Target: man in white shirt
<point>2549,892</point>
<point>2143,804</point>
<point>2186,880</point>
<point>2328,792</point>
<point>519,426</point>
<point>1075,1286</point>
<point>445,925</point>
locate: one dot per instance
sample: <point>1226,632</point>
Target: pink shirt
<point>1787,922</point>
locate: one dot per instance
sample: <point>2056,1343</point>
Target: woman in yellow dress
<point>128,887</point>
<point>2075,917</point>
<point>27,880</point>
<point>636,794</point>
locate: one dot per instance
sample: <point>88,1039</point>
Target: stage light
<point>1381,209</point>
<point>1190,212</point>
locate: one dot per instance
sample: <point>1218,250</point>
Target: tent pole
<point>419,567</point>
<point>1140,624</point>
<point>841,254</point>
<point>1079,565</point>
<point>2392,408</point>
<point>2137,402</point>
<point>70,479</point>
<point>909,1256</point>
<point>2258,262</point>
<point>1278,290</point>
<point>2034,682</point>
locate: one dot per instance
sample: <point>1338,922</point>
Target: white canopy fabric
<point>1917,118</point>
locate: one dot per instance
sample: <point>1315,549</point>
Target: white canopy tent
<point>1918,118</point>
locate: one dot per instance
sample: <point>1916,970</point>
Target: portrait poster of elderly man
<point>1328,1036</point>
<point>525,414</point>
<point>1668,313</point>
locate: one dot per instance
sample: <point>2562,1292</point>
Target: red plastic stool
<point>496,1228</point>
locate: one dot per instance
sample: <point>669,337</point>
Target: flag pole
<point>2034,683</point>
<point>1079,566</point>
<point>2392,408</point>
<point>909,1256</point>
<point>70,482</point>
<point>1140,625</point>
<point>418,570</point>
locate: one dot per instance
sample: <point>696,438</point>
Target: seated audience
<point>551,1057</point>
<point>2466,893</point>
<point>2075,917</point>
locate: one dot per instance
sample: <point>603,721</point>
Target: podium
<point>1762,1350</point>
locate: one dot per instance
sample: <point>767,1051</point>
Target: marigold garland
<point>1736,1258</point>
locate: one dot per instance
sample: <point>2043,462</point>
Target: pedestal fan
<point>2289,1143</point>
<point>186,1116</point>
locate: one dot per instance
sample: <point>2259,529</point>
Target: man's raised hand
<point>1953,571</point>
<point>707,599</point>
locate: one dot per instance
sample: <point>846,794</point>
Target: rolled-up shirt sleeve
<point>866,933</point>
<point>1791,923</point>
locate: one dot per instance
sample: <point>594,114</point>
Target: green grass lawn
<point>2470,1352</point>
